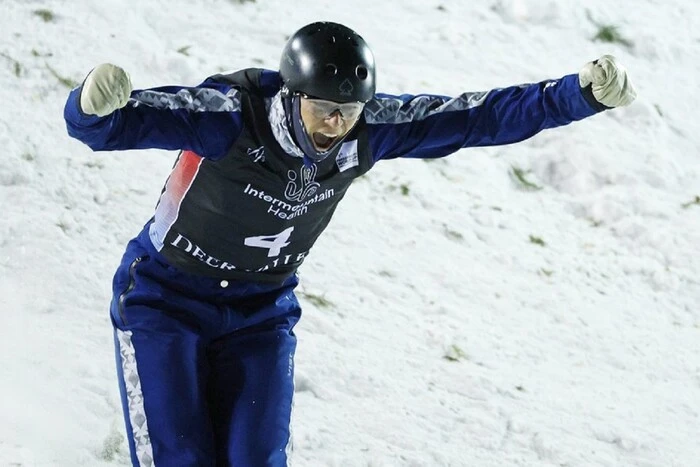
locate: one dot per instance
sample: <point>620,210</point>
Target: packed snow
<point>528,305</point>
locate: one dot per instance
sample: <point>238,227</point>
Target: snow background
<point>437,331</point>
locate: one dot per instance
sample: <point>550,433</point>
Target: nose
<point>335,119</point>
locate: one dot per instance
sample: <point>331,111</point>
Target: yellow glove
<point>106,89</point>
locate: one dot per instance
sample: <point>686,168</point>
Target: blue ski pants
<point>205,366</point>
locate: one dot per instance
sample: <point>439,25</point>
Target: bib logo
<point>258,155</point>
<point>301,187</point>
<point>302,191</point>
<point>347,156</point>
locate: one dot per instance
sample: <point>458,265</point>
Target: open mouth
<point>323,142</point>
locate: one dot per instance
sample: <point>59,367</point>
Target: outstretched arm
<point>429,126</point>
<point>107,115</point>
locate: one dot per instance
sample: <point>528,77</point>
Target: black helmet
<point>328,61</point>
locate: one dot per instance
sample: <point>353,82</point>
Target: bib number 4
<point>273,243</point>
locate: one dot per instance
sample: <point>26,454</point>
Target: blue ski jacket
<point>243,203</point>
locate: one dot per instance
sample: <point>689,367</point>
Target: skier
<point>204,305</point>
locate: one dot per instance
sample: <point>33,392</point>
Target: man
<point>203,305</point>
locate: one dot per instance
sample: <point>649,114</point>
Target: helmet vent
<point>328,61</point>
<point>330,70</point>
<point>361,72</point>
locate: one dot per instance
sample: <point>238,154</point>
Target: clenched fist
<point>106,89</point>
<point>609,82</point>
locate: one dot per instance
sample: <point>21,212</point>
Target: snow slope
<point>453,317</point>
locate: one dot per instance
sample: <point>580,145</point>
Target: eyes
<point>323,109</point>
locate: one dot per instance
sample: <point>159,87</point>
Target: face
<point>327,121</point>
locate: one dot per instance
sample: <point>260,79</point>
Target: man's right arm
<point>106,115</point>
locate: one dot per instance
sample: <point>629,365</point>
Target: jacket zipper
<point>130,287</point>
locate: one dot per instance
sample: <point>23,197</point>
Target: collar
<point>278,122</point>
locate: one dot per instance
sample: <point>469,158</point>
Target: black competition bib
<point>256,213</point>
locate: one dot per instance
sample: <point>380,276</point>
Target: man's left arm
<point>428,126</point>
